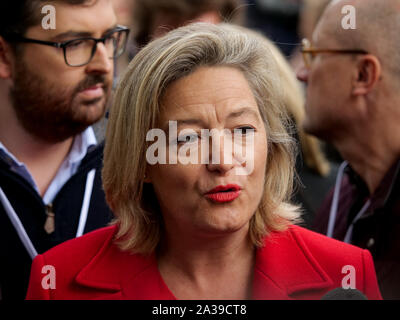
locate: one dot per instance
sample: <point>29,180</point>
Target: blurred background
<point>285,22</point>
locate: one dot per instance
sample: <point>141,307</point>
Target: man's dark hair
<point>17,16</point>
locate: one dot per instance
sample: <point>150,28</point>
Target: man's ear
<point>5,59</point>
<point>369,71</point>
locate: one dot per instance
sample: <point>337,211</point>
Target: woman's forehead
<point>222,90</point>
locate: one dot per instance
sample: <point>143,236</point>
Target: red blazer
<point>295,264</point>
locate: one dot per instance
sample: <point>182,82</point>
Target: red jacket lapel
<point>123,276</point>
<point>285,268</point>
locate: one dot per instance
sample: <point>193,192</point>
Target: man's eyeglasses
<point>309,53</point>
<point>79,52</point>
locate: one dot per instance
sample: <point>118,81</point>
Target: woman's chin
<point>219,226</point>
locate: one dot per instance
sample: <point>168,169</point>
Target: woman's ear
<point>369,71</point>
<point>5,59</point>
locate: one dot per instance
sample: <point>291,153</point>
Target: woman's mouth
<point>222,194</point>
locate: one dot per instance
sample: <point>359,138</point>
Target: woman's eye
<point>188,138</point>
<point>244,130</point>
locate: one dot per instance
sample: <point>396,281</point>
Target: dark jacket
<point>378,230</point>
<point>15,262</point>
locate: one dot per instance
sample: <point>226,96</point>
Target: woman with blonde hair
<point>196,217</point>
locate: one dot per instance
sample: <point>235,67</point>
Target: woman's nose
<point>221,157</point>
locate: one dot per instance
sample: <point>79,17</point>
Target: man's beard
<point>53,114</point>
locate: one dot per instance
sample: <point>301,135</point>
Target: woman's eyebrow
<point>180,122</point>
<point>198,122</point>
<point>244,111</point>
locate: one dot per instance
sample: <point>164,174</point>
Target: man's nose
<point>101,62</point>
<point>302,73</point>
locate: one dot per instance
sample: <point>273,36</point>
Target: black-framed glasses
<point>79,52</point>
<point>309,53</point>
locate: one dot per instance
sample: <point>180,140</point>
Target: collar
<point>81,145</point>
<point>122,275</point>
<point>284,267</point>
<point>15,165</point>
<point>382,194</point>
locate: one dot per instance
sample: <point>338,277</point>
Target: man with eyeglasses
<point>352,81</point>
<point>54,84</point>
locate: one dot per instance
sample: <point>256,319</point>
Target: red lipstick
<point>222,194</point>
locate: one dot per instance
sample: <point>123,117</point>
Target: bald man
<point>353,102</point>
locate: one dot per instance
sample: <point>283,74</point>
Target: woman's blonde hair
<point>294,101</point>
<point>136,109</point>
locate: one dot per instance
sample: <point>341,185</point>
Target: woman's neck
<point>208,267</point>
